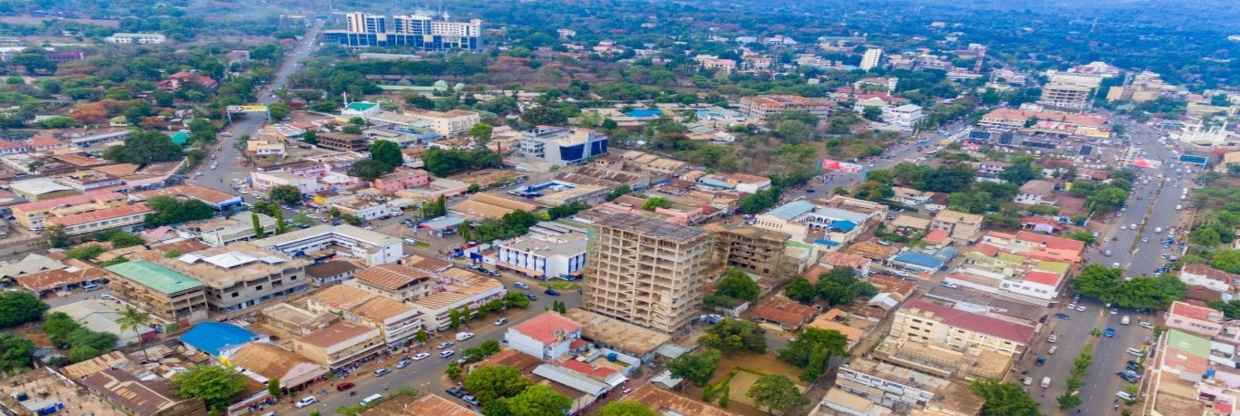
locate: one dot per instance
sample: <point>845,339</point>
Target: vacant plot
<point>740,372</point>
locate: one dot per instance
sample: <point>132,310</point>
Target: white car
<point>446,353</point>
<point>462,336</point>
<point>1080,308</point>
<point>420,356</point>
<point>306,401</point>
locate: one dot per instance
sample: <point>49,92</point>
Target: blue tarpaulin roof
<point>843,226</point>
<point>213,337</point>
<point>919,259</point>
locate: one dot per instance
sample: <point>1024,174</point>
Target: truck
<point>1125,320</point>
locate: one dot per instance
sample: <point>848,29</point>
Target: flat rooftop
<point>651,227</point>
<point>345,230</point>
<point>156,277</point>
<point>622,335</point>
<point>223,267</point>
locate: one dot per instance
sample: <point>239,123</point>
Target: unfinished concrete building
<point>748,248</point>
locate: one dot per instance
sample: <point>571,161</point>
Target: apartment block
<point>163,292</point>
<point>448,123</point>
<point>1069,91</point>
<point>243,275</point>
<point>646,271</point>
<point>759,107</point>
<point>930,323</point>
<point>394,280</point>
<point>748,248</point>
<point>958,225</point>
<point>399,322</point>
<point>34,215</point>
<point>456,289</point>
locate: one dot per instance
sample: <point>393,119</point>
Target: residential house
<point>960,226</point>
<point>1036,192</point>
<point>548,336</point>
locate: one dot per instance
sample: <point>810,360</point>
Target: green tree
<point>17,308</point>
<point>273,388</point>
<point>737,285</point>
<point>453,372</point>
<point>143,148</point>
<point>801,290</point>
<point>55,236</point>
<point>85,252</point>
<point>840,286</point>
<point>696,367</point>
<point>454,317</point>
<point>171,211</point>
<point>872,113</point>
<point>1004,399</point>
<point>481,133</point>
<point>131,320</point>
<point>281,226</point>
<point>1082,236</point>
<point>285,194</point>
<point>1226,260</point>
<point>626,408</point>
<point>15,352</point>
<point>618,192</point>
<point>777,394</point>
<point>812,351</point>
<point>656,202</point>
<point>495,382</point>
<point>386,152</point>
<point>538,400</point>
<point>793,131</point>
<point>369,170</point>
<point>258,225</point>
<point>731,336</point>
<point>213,384</point>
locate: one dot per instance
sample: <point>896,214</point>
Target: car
<point>306,401</point>
<point>464,335</point>
<point>531,297</point>
<point>382,372</point>
<point>455,391</point>
<point>404,362</point>
<point>444,345</point>
<point>1062,316</point>
<point>1124,395</point>
<point>1040,361</point>
<point>1145,239</point>
<point>1129,376</point>
<point>1080,308</point>
<point>1052,350</point>
<point>471,400</point>
<point>501,321</point>
<point>551,292</point>
<point>446,353</point>
<point>1136,352</point>
<point>521,285</point>
<point>1071,306</point>
<point>420,356</point>
<point>1052,339</point>
<point>91,287</point>
<point>1114,311</point>
<point>1109,333</point>
<point>344,386</point>
<point>1145,324</point>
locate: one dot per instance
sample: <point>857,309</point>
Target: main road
<point>226,154</point>
<point>1152,208</point>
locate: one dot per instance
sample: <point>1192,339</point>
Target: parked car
<point>521,285</point>
<point>551,292</point>
<point>1109,333</point>
<point>455,391</point>
<point>404,362</point>
<point>501,321</point>
<point>382,372</point>
<point>344,386</point>
<point>531,297</point>
<point>464,335</point>
<point>446,353</point>
<point>420,356</point>
<point>444,345</point>
<point>306,401</point>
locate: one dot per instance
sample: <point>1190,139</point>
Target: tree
<point>1108,285</point>
<point>759,201</point>
<point>131,320</point>
<point>386,152</point>
<point>15,352</point>
<point>495,382</point>
<point>626,408</point>
<point>281,226</point>
<point>144,147</point>
<point>1082,236</point>
<point>171,211</point>
<point>455,318</point>
<point>793,131</point>
<point>1226,260</point>
<point>538,400</point>
<point>369,170</point>
<point>86,252</point>
<point>453,371</point>
<point>273,388</point>
<point>17,308</point>
<point>656,202</point>
<point>777,394</point>
<point>840,286</point>
<point>812,351</point>
<point>1004,399</point>
<point>872,113</point>
<point>285,194</point>
<point>214,384</point>
<point>801,290</point>
<point>481,133</point>
<point>732,336</point>
<point>310,137</point>
<point>736,284</point>
<point>55,236</point>
<point>258,225</point>
<point>618,192</point>
<point>1021,171</point>
<point>696,367</point>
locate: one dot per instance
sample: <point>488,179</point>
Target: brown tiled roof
<point>380,308</point>
<point>427,405</point>
<point>427,263</point>
<point>666,402</point>
<point>785,312</point>
<point>331,268</point>
<point>52,279</point>
<point>268,360</point>
<point>391,276</point>
<point>341,297</point>
<point>335,334</point>
<point>137,396</point>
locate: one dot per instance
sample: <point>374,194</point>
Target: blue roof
<point>843,226</point>
<point>444,222</point>
<point>919,259</point>
<point>644,113</point>
<point>791,210</point>
<point>214,337</point>
<point>826,242</point>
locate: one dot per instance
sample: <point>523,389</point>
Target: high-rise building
<point>870,59</point>
<point>646,271</point>
<point>415,31</point>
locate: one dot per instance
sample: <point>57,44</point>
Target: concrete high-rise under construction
<point>646,271</point>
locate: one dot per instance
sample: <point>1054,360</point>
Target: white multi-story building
<point>544,253</point>
<point>262,181</point>
<point>871,59</point>
<point>904,117</point>
<point>369,246</point>
<point>562,145</point>
<point>448,123</point>
<point>799,218</point>
<point>136,38</point>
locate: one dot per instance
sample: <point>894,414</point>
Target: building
<point>240,276</point>
<point>714,63</point>
<point>960,226</point>
<point>103,315</point>
<point>340,344</point>
<point>343,142</point>
<point>128,394</point>
<point>136,38</point>
<point>904,117</point>
<point>331,272</point>
<point>748,248</point>
<point>345,240</point>
<point>1195,319</point>
<point>397,281</point>
<point>125,218</point>
<point>562,145</point>
<point>406,31</point>
<point>307,185</point>
<point>41,188</point>
<point>1036,192</point>
<point>548,251</point>
<point>33,215</point>
<point>646,271</point>
<point>1070,92</point>
<point>456,289</point>
<point>759,107</point>
<point>902,389</point>
<point>799,219</point>
<point>448,123</point>
<point>401,179</point>
<point>871,59</point>
<point>425,404</point>
<point>368,206</point>
<point>921,321</point>
<point>163,292</point>
<point>263,361</point>
<point>1221,282</point>
<point>220,231</point>
<point>548,336</point>
<point>665,402</point>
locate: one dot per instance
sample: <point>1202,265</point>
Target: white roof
<point>231,259</point>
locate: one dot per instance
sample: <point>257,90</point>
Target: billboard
<point>829,165</point>
<point>1192,159</point>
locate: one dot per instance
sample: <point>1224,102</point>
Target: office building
<point>448,123</point>
<point>562,145</point>
<point>136,38</point>
<point>548,251</point>
<point>406,31</point>
<point>759,107</point>
<point>123,218</point>
<point>1069,91</point>
<point>871,59</point>
<point>163,292</point>
<point>243,275</point>
<point>646,271</point>
<point>456,289</point>
<point>346,240</point>
<point>547,336</point>
<point>340,344</point>
<point>958,225</point>
<point>921,321</point>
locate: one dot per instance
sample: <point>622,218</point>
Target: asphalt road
<point>903,151</point>
<point>227,156</point>
<point>425,375</point>
<point>1151,206</point>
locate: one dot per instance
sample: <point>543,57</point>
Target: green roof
<point>1054,266</point>
<point>180,137</point>
<point>1188,343</point>
<point>361,105</point>
<point>156,277</point>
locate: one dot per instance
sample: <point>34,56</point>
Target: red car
<point>344,386</point>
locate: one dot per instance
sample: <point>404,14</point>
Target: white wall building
<point>544,254</point>
<point>372,247</point>
<point>548,336</point>
<point>904,117</point>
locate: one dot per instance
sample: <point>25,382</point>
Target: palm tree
<point>133,319</point>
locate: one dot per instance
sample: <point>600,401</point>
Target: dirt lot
<point>750,367</point>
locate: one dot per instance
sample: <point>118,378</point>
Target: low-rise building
<point>240,276</point>
<point>926,322</point>
<point>124,218</point>
<point>397,281</point>
<point>331,272</point>
<point>1036,192</point>
<point>800,218</point>
<point>761,106</point>
<point>165,293</point>
<point>128,394</point>
<point>1215,280</point>
<point>402,179</point>
<point>136,38</point>
<point>546,252</point>
<point>340,344</point>
<point>904,117</point>
<point>450,123</point>
<point>263,361</point>
<point>221,231</point>
<point>960,226</point>
<point>548,336</point>
<point>307,185</point>
<point>343,142</point>
<point>457,289</point>
<point>1195,319</point>
<point>347,240</point>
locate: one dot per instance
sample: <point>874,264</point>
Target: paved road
<point>905,150</point>
<point>1151,206</point>
<point>226,154</point>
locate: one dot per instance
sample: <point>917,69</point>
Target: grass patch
<point>422,244</point>
<point>558,285</point>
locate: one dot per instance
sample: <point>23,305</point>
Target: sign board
<point>1192,159</point>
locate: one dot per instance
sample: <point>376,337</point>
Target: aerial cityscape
<point>620,208</point>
